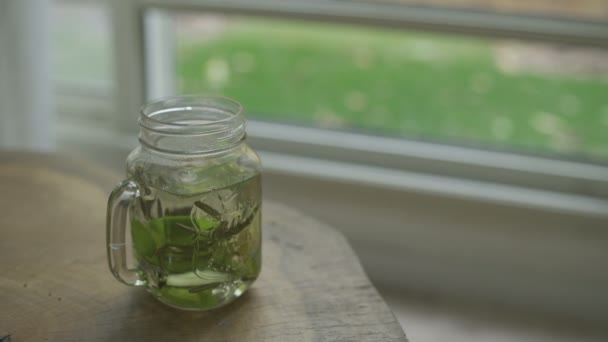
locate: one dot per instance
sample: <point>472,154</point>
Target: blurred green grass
<point>424,86</point>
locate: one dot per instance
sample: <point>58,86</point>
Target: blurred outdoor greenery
<point>436,87</point>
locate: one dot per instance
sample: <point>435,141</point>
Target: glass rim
<point>146,111</point>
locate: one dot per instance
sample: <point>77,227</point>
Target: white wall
<point>499,255</point>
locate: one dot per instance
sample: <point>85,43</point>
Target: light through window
<point>531,97</point>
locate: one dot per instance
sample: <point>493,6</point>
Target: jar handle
<point>116,225</point>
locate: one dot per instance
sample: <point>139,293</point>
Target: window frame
<point>481,23</point>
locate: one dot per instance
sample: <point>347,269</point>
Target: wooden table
<point>55,284</point>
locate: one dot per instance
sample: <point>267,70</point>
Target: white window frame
<point>25,87</point>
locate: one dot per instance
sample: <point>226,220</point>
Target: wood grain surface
<point>55,284</point>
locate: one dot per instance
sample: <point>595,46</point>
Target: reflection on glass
<point>494,93</point>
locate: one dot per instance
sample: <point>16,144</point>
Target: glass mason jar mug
<point>192,199</point>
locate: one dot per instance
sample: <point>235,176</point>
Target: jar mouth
<point>191,123</point>
<point>185,113</point>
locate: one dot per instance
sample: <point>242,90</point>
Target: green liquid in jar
<point>199,251</point>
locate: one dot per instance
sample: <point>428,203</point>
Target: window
<point>82,60</point>
<point>81,43</point>
<point>463,90</point>
<point>496,93</point>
